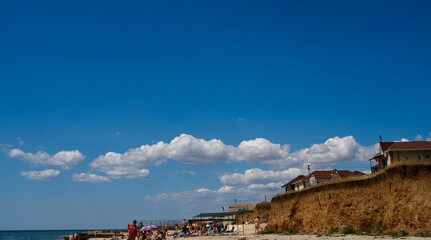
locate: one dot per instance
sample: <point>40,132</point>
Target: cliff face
<point>399,199</point>
<point>262,210</point>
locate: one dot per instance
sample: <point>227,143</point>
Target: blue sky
<point>228,100</point>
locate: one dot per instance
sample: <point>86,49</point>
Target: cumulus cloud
<point>89,177</point>
<point>332,151</point>
<point>128,172</point>
<point>45,175</point>
<point>205,199</point>
<point>260,150</point>
<point>259,176</point>
<point>188,149</point>
<point>64,159</point>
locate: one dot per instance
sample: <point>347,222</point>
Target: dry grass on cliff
<point>397,199</point>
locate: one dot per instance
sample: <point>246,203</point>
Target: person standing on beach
<point>184,225</point>
<point>132,230</point>
<point>71,237</point>
<point>176,231</point>
<point>256,225</point>
<point>165,230</point>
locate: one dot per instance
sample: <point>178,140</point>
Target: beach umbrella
<point>148,227</point>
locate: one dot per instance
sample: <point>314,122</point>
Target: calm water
<point>37,235</point>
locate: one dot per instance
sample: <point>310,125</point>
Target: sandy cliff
<point>398,199</point>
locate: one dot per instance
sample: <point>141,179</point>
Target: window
<point>406,157</point>
<point>420,157</point>
<point>427,156</point>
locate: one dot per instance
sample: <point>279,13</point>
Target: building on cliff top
<point>301,181</point>
<point>392,152</point>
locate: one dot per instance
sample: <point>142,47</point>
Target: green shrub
<point>379,228</point>
<point>348,230</point>
<point>366,231</point>
<point>292,231</point>
<point>392,234</point>
<point>269,231</point>
<point>424,234</point>
<point>333,230</point>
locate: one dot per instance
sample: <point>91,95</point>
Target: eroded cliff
<point>399,199</point>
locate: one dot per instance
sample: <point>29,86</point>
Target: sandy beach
<point>291,237</point>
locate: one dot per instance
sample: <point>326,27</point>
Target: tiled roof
<point>320,175</point>
<point>409,145</point>
<point>385,145</point>
<point>299,177</point>
<point>388,146</point>
<point>324,174</point>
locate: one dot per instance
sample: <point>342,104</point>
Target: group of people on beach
<point>75,236</point>
<point>134,231</point>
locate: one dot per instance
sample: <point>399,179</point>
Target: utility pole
<point>308,166</point>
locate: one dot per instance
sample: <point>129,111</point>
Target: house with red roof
<point>393,152</point>
<point>302,182</point>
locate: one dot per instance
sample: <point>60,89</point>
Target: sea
<point>37,234</point>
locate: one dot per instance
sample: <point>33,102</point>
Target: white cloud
<point>117,133</point>
<point>205,199</point>
<point>261,150</point>
<point>188,149</point>
<point>254,189</point>
<point>419,137</point>
<point>45,175</point>
<point>404,140</point>
<point>89,177</point>
<point>128,172</point>
<point>64,159</point>
<point>190,172</point>
<point>259,176</point>
<point>332,151</point>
